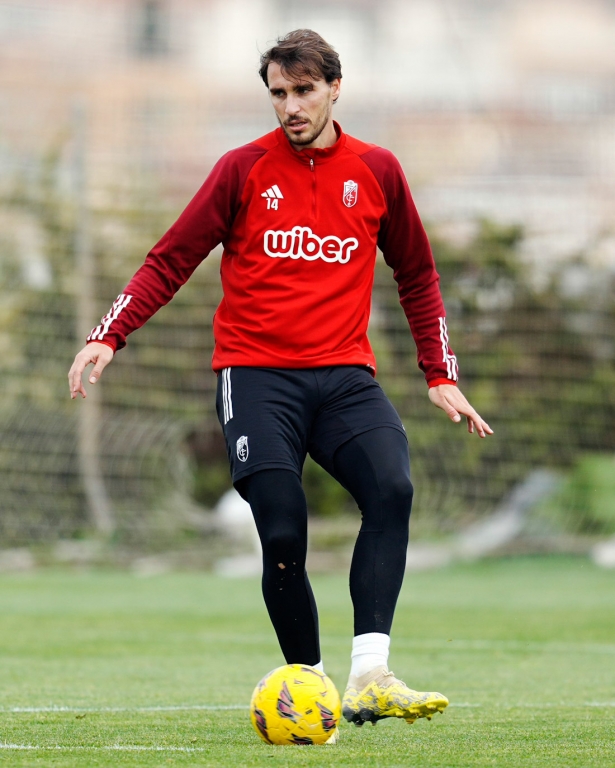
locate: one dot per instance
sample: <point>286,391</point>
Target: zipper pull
<point>311,164</point>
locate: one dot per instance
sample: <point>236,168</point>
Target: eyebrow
<point>294,88</point>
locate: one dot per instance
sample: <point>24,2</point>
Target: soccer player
<point>300,213</point>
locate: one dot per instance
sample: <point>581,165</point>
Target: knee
<point>280,513</point>
<point>397,493</point>
<point>283,545</point>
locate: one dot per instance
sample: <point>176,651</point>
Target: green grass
<point>525,649</point>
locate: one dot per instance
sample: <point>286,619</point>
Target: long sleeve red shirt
<point>300,232</point>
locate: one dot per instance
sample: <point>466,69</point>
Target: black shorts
<point>273,417</point>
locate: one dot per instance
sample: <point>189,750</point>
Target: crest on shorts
<point>351,193</point>
<point>242,448</point>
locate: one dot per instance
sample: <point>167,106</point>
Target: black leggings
<point>374,468</point>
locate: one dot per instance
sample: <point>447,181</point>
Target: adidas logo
<point>273,192</point>
<point>273,196</point>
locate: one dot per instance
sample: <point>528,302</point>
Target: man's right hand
<point>99,354</point>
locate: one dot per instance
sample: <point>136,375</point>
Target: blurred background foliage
<point>536,356</point>
<point>585,500</point>
<point>112,114</point>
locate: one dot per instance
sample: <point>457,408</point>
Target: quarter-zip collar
<point>318,156</point>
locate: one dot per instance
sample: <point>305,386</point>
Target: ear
<point>335,86</point>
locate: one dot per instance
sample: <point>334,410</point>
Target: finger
<point>440,401</point>
<point>97,371</point>
<point>453,402</point>
<point>77,388</point>
<point>483,429</point>
<point>74,379</point>
<point>75,375</point>
<point>487,428</point>
<point>475,423</point>
<point>450,410</point>
<point>80,391</point>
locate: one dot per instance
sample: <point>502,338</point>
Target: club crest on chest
<point>351,193</point>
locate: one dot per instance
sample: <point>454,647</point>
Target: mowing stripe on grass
<point>186,708</point>
<point>227,707</point>
<point>516,645</point>
<point>440,645</point>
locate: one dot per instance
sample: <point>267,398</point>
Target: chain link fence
<point>113,116</point>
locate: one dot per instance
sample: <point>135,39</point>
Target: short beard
<point>302,141</point>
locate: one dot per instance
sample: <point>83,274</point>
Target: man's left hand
<point>453,403</point>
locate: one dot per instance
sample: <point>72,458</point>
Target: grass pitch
<point>109,669</point>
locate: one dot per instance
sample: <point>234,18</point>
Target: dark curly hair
<point>300,53</point>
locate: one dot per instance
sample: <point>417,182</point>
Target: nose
<point>292,105</point>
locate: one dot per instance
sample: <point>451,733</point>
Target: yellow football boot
<point>379,694</point>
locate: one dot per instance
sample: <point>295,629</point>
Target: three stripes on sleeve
<point>98,333</point>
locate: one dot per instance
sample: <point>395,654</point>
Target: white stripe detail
<point>270,193</point>
<point>227,401</point>
<point>223,401</point>
<point>264,194</point>
<point>122,301</point>
<point>452,372</point>
<point>229,394</point>
<point>227,417</point>
<point>224,405</point>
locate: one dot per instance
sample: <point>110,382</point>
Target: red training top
<point>300,232</point>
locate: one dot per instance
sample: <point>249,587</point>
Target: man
<point>301,212</point>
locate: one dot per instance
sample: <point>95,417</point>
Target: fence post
<point>90,411</point>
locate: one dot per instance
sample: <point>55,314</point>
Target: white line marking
<point>113,748</point>
<point>171,708</point>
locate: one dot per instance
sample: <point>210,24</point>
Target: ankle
<point>372,675</point>
<point>369,652</point>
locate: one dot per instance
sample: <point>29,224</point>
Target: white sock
<point>368,652</point>
<point>320,666</point>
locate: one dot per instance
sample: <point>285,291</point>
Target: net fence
<point>111,116</point>
<point>538,364</point>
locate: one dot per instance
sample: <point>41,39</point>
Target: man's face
<point>303,107</point>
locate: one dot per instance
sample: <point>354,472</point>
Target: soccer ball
<point>295,704</point>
